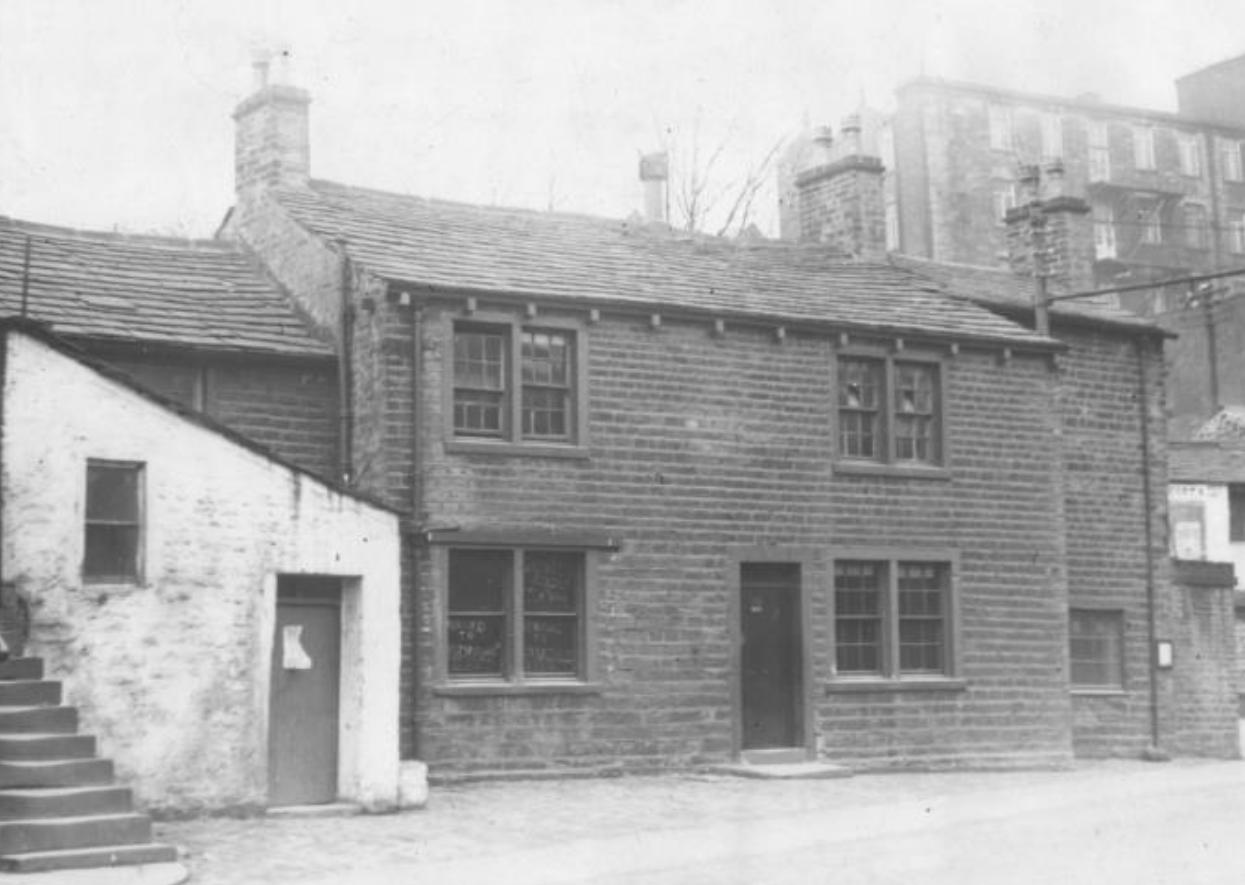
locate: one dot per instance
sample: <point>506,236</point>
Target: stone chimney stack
<point>1051,233</point>
<point>272,146</point>
<point>655,175</point>
<point>840,199</point>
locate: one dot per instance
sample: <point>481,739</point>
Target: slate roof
<point>1206,461</point>
<point>449,246</point>
<point>1226,424</point>
<point>999,287</point>
<point>150,290</point>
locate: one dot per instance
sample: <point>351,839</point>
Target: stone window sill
<point>522,449</point>
<point>478,689</point>
<point>935,683</point>
<point>906,471</point>
<point>1106,692</point>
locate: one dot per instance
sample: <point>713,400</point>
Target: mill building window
<point>893,618</point>
<point>113,546</point>
<point>1190,150</point>
<point>1000,123</point>
<point>516,383</point>
<point>889,410</point>
<point>516,615</point>
<point>1096,649</point>
<point>1052,136</point>
<point>1230,159</point>
<point>1099,152</point>
<point>1143,147</point>
<point>1196,223</point>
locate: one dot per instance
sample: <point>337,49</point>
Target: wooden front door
<point>303,706</point>
<point>770,656</point>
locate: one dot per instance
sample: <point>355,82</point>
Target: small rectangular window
<point>892,618</point>
<point>515,614</point>
<point>1236,230</point>
<point>1236,513</point>
<point>889,410</point>
<point>1096,648</point>
<point>114,522</point>
<point>1104,230</point>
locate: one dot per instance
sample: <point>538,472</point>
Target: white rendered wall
<point>172,674</point>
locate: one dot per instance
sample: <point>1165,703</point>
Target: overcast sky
<point>116,113</point>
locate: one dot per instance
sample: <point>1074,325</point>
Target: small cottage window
<point>893,618</point>
<point>1096,649</point>
<point>516,383</point>
<point>515,614</point>
<point>889,410</point>
<point>114,522</point>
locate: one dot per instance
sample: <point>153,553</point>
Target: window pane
<point>477,644</point>
<point>544,412</point>
<point>551,581</point>
<point>477,412</point>
<point>857,616</point>
<point>860,399</point>
<point>479,580</point>
<point>922,592</point>
<point>551,644</point>
<point>916,407</point>
<point>112,493</point>
<point>479,359</point>
<point>546,358</point>
<point>1096,641</point>
<point>111,551</point>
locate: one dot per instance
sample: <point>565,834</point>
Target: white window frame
<point>1236,230</point>
<point>1150,223</point>
<point>1230,155</point>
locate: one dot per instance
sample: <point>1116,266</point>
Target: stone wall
<point>702,448</point>
<point>172,672</point>
<point>1205,662</point>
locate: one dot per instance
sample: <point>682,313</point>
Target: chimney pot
<point>654,172</point>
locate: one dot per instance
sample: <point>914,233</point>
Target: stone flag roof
<point>1000,288</point>
<point>200,294</point>
<point>446,246</point>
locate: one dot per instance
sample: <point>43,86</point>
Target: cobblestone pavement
<point>491,820</point>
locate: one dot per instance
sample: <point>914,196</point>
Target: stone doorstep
<point>784,770</point>
<point>327,809</point>
<point>161,873</point>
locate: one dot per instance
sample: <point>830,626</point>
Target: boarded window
<point>114,522</point>
<point>1096,648</point>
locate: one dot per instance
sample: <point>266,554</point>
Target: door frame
<point>807,560</point>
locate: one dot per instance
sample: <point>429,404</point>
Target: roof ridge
<point>40,228</point>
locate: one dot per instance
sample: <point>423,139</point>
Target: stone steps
<point>59,806</point>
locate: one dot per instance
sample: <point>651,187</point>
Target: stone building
<point>680,500</point>
<point>1165,193</point>
<point>203,601</point>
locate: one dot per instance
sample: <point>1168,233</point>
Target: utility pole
<point>1204,296</point>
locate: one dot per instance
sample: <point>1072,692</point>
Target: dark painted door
<point>770,656</point>
<point>303,709</point>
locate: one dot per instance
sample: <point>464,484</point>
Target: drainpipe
<point>1153,752</point>
<point>417,504</point>
<point>345,371</point>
